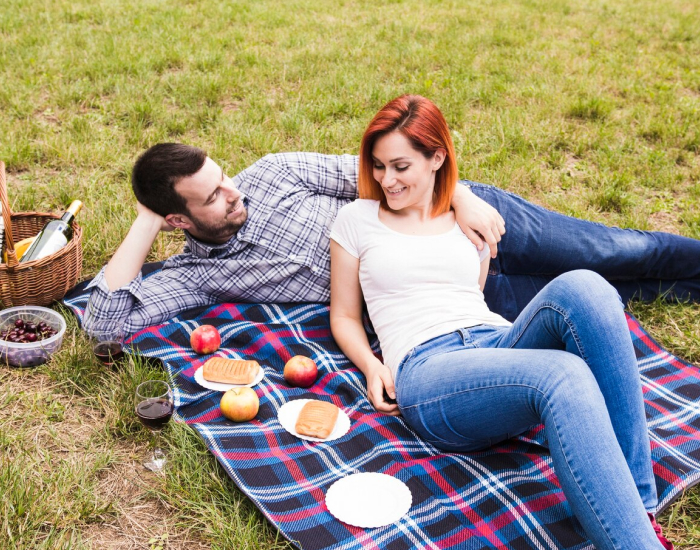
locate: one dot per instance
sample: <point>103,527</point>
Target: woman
<point>465,378</point>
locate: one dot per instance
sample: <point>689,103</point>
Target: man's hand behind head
<point>146,214</point>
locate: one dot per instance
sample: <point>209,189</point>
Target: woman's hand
<point>379,379</point>
<point>477,219</point>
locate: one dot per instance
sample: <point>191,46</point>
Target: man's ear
<point>439,158</point>
<point>179,221</point>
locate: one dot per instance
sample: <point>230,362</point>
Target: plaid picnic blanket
<point>507,497</point>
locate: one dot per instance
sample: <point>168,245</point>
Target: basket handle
<point>7,218</point>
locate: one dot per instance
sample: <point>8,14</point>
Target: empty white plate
<point>368,499</point>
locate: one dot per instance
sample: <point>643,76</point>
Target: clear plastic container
<point>34,353</point>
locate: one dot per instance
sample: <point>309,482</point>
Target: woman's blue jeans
<point>540,244</point>
<point>567,363</point>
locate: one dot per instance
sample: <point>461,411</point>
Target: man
<point>263,236</point>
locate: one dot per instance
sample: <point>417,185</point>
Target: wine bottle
<point>54,236</point>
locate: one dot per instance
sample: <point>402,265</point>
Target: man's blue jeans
<point>567,363</point>
<point>540,244</point>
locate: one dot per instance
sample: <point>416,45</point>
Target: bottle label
<point>53,244</point>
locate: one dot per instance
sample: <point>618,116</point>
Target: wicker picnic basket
<point>42,281</point>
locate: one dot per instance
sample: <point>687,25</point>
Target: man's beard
<point>219,232</point>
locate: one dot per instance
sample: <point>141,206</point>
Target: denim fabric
<point>539,245</point>
<point>567,363</point>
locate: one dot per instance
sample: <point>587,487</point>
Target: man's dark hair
<point>157,171</point>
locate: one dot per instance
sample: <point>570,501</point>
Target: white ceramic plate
<point>218,386</point>
<point>368,500</point>
<point>289,413</point>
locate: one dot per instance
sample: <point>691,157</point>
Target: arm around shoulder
<point>478,220</point>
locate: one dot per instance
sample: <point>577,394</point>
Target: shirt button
<point>263,241</point>
<point>314,269</point>
<point>292,256</point>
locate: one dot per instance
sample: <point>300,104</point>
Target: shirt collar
<point>207,250</point>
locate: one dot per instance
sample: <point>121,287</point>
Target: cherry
<point>26,332</point>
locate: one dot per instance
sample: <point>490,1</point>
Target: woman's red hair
<point>420,121</point>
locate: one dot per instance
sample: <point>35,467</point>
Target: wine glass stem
<point>158,454</point>
<point>156,442</point>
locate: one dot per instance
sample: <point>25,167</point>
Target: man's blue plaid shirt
<point>281,254</point>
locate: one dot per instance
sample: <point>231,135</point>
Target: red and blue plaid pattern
<point>506,497</point>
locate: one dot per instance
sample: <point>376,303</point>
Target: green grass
<point>591,108</point>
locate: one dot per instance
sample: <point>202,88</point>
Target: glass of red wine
<point>108,344</point>
<point>154,407</point>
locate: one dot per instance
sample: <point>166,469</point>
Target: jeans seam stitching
<point>566,319</point>
<point>436,399</point>
<point>565,453</point>
<point>574,333</point>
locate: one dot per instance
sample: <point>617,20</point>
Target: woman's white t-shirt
<point>416,287</point>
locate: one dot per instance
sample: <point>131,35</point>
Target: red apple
<point>205,339</point>
<point>240,404</point>
<point>300,371</point>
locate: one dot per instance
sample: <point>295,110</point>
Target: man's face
<point>216,210</point>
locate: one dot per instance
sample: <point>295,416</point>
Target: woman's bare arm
<point>483,273</point>
<point>349,333</point>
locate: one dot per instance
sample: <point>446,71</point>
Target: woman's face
<point>405,175</point>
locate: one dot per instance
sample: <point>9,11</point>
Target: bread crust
<point>230,371</point>
<point>317,419</point>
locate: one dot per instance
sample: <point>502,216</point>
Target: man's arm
<point>278,176</point>
<point>336,176</point>
<point>332,175</point>
<point>284,174</point>
<point>115,290</point>
<point>128,260</point>
<point>478,220</point>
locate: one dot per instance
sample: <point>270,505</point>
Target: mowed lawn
<point>591,108</point>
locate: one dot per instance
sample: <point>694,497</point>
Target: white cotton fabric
<point>416,287</point>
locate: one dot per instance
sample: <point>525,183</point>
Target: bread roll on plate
<point>230,371</point>
<point>317,419</point>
